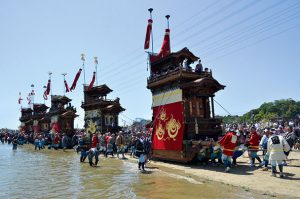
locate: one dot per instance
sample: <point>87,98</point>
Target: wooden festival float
<point>40,121</point>
<point>26,121</point>
<point>33,120</point>
<point>101,114</point>
<point>182,103</point>
<point>59,119</point>
<point>62,115</point>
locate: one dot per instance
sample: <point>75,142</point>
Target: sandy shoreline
<point>248,178</point>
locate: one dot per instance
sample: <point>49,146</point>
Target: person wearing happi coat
<point>277,145</point>
<point>56,141</point>
<point>95,141</point>
<point>228,142</point>
<point>253,146</point>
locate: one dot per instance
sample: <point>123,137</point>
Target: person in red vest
<point>95,141</point>
<point>253,143</point>
<point>228,143</point>
<point>56,141</point>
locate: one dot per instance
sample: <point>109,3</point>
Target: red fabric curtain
<point>36,129</point>
<point>168,127</point>
<point>56,127</point>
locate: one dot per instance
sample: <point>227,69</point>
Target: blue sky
<point>252,47</point>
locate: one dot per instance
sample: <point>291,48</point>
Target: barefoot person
<point>120,142</point>
<point>93,152</point>
<point>15,143</point>
<point>140,152</point>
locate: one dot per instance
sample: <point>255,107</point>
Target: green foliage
<point>285,108</point>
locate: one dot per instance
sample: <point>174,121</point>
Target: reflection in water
<point>26,173</point>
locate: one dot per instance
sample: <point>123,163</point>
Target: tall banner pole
<point>32,95</point>
<point>20,99</point>
<point>96,67</point>
<point>50,73</point>
<point>168,24</point>
<point>44,87</point>
<point>83,60</point>
<point>168,17</point>
<point>150,12</point>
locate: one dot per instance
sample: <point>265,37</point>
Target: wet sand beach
<point>245,178</point>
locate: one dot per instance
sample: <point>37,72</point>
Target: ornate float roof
<point>104,105</point>
<point>39,107</point>
<point>206,83</point>
<point>114,108</point>
<point>179,55</point>
<point>100,90</point>
<point>24,110</point>
<point>69,114</point>
<point>60,98</point>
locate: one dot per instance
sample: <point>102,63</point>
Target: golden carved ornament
<point>173,127</point>
<point>160,132</point>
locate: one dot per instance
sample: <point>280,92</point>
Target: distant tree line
<point>287,109</point>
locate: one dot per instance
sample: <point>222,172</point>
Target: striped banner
<point>167,97</point>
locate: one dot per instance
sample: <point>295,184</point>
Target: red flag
<point>45,95</point>
<point>67,87</point>
<point>48,87</point>
<point>20,99</point>
<point>165,48</point>
<point>47,91</point>
<point>92,82</point>
<point>75,80</point>
<point>29,98</point>
<point>148,32</point>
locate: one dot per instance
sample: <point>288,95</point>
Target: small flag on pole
<point>48,87</point>
<point>29,98</point>
<point>45,95</point>
<point>92,82</point>
<point>67,87</point>
<point>148,32</point>
<point>75,80</point>
<point>165,48</point>
<point>20,98</point>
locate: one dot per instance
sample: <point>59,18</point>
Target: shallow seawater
<point>26,173</point>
